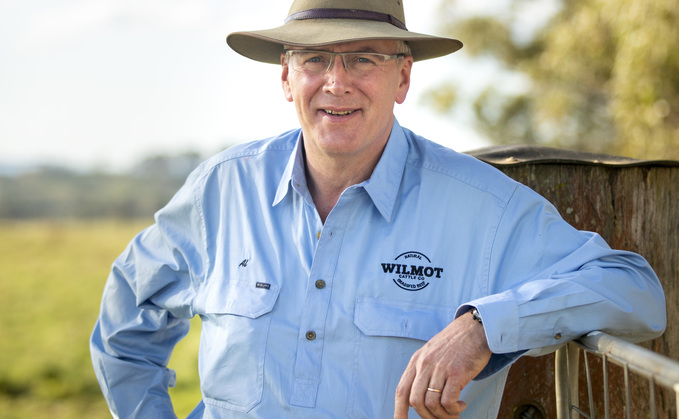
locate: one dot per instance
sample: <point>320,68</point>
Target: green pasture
<point>51,278</point>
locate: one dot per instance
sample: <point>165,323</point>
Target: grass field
<point>51,278</point>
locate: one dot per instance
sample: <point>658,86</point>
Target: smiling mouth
<point>338,113</point>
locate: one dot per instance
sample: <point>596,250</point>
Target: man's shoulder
<point>267,148</point>
<point>459,168</point>
<point>264,154</point>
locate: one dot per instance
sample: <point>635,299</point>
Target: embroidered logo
<point>412,271</point>
<point>244,263</point>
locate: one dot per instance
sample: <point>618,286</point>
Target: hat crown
<point>389,7</point>
<point>316,23</point>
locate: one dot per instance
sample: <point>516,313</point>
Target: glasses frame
<point>387,57</point>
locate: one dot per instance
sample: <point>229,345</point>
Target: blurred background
<point>106,106</point>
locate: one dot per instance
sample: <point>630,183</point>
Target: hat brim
<point>267,45</point>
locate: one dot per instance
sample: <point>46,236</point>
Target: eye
<point>364,59</point>
<point>316,59</point>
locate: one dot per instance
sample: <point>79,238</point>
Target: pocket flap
<point>246,298</point>
<point>400,319</point>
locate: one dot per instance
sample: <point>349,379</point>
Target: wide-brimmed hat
<point>314,23</point>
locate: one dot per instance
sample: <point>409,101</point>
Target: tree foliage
<point>601,75</point>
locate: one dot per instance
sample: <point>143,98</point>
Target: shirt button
<point>557,336</point>
<point>320,284</point>
<point>311,335</point>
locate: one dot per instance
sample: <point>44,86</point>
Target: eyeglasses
<point>320,62</point>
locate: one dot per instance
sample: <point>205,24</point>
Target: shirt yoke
<point>438,160</point>
<point>267,151</point>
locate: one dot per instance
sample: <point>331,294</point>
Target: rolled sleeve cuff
<point>501,324</point>
<point>500,316</point>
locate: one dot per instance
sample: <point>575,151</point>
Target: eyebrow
<point>364,49</point>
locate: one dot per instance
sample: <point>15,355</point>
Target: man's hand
<point>448,362</point>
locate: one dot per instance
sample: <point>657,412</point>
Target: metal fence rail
<point>657,369</point>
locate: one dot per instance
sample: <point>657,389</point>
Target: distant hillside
<point>55,192</point>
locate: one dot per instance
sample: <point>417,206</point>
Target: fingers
<point>448,362</point>
<point>436,405</point>
<point>450,404</point>
<point>430,401</point>
<point>403,393</point>
<point>444,403</point>
<point>433,393</point>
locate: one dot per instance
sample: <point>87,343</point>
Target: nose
<point>337,76</point>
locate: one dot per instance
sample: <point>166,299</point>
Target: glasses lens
<point>314,62</point>
<point>318,62</point>
<point>362,63</point>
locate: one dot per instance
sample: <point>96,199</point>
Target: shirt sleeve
<point>145,311</point>
<point>550,283</point>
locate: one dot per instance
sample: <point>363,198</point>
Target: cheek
<point>385,99</point>
<point>299,88</point>
<point>385,93</point>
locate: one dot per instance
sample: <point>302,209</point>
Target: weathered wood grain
<point>634,205</point>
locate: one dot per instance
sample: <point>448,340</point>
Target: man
<point>352,268</point>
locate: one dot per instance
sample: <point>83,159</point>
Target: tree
<point>600,75</point>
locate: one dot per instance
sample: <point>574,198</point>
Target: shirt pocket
<point>234,337</point>
<point>391,332</point>
<point>248,298</point>
<point>376,317</point>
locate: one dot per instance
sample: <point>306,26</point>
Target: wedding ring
<point>434,390</point>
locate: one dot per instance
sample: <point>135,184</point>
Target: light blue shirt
<point>302,319</point>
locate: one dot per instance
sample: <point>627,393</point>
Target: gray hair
<point>403,48</point>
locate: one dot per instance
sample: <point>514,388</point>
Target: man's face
<point>343,114</point>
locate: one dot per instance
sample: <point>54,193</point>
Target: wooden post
<point>634,205</point>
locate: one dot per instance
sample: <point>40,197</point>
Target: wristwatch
<point>475,315</point>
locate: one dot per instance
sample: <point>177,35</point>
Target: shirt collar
<point>293,174</point>
<point>382,187</point>
<point>385,181</point>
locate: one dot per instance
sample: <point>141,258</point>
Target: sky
<point>102,84</point>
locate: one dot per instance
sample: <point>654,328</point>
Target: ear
<point>285,73</point>
<point>404,79</point>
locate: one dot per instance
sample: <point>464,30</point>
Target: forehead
<point>375,45</point>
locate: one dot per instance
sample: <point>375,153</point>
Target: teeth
<point>331,112</point>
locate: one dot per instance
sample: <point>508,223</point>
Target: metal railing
<point>656,369</point>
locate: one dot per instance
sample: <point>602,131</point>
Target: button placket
<point>314,313</point>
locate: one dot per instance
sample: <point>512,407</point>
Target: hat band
<point>346,14</point>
